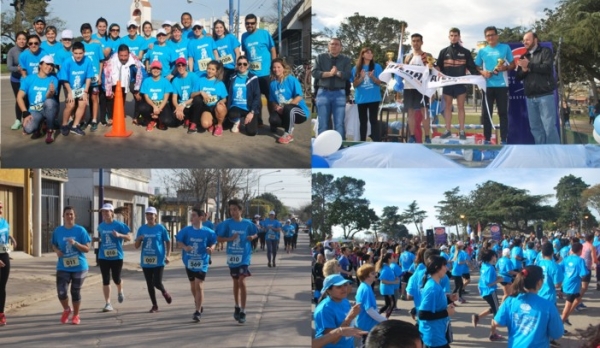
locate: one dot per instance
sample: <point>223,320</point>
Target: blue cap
<point>334,280</point>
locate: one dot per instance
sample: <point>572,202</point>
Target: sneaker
<point>446,135</point>
<point>578,309</point>
<point>161,126</point>
<point>83,125</point>
<point>16,125</point>
<point>36,134</point>
<point>2,316</point>
<point>65,130</point>
<point>196,317</point>
<point>211,129</point>
<point>218,131</point>
<point>168,297</point>
<point>236,127</point>
<point>475,320</point>
<point>495,337</point>
<point>50,137</point>
<point>487,142</point>
<point>462,135</point>
<point>192,128</point>
<point>567,322</point>
<point>107,308</point>
<point>466,292</point>
<point>76,320</point>
<point>65,316</point>
<point>270,265</point>
<point>553,344</point>
<point>581,305</point>
<point>154,309</point>
<point>236,314</point>
<point>242,318</point>
<point>186,123</point>
<point>285,139</point>
<point>150,126</point>
<point>93,126</point>
<point>274,265</point>
<point>77,130</point>
<point>427,140</point>
<point>461,300</point>
<point>121,297</point>
<point>412,139</point>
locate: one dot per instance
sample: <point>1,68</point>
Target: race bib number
<point>78,93</point>
<point>37,107</point>
<point>71,261</point>
<point>271,236</point>
<point>111,253</point>
<point>4,248</point>
<point>226,59</point>
<point>193,264</point>
<point>234,259</point>
<point>213,99</point>
<point>94,79</point>
<point>255,65</point>
<point>203,63</point>
<point>150,260</point>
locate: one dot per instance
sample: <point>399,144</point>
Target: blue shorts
<point>240,271</point>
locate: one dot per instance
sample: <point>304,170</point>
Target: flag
<point>399,86</point>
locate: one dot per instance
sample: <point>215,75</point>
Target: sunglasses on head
<point>33,44</point>
<point>242,64</point>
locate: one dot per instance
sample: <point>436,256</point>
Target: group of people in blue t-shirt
<point>533,278</point>
<point>180,77</point>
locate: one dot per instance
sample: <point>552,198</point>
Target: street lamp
<point>260,176</point>
<point>212,18</point>
<point>273,183</point>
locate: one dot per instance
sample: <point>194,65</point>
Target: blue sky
<point>399,187</point>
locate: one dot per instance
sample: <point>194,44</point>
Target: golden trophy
<point>500,63</point>
<point>390,57</point>
<point>430,61</point>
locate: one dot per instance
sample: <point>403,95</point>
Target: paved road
<point>170,149</point>
<point>278,308</point>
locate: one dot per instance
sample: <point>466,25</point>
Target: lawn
<point>3,69</point>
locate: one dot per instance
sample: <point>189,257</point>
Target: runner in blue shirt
<point>186,23</point>
<point>201,51</point>
<point>287,101</point>
<point>516,254</point>
<point>488,280</point>
<point>238,233</point>
<point>398,273</point>
<point>259,47</point>
<point>407,258</point>
<point>101,35</point>
<point>113,40</point>
<point>367,93</point>
<point>5,240</point>
<point>228,47</point>
<point>111,234</point>
<point>531,320</point>
<point>163,53</point>
<point>149,40</point>
<point>94,52</point>
<point>272,228</point>
<point>553,274</point>
<point>288,235</point>
<point>244,101</point>
<point>186,96</point>
<point>30,58</point>
<point>155,242</point>
<point>66,38</point>
<point>574,268</point>
<point>387,280</point>
<point>70,242</point>
<point>365,297</point>
<point>197,242</point>
<point>155,108</point>
<point>460,270</point>
<point>214,94</point>
<point>178,43</point>
<point>136,43</point>
<point>51,46</point>
<point>506,269</point>
<point>530,254</point>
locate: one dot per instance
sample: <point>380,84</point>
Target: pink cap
<point>156,64</point>
<point>181,60</point>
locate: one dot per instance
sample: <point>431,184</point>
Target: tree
<point>234,183</point>
<point>352,215</point>
<point>591,197</point>
<point>511,34</point>
<point>286,7</point>
<point>280,209</point>
<point>569,206</point>
<point>157,201</point>
<point>391,223</point>
<point>412,214</point>
<point>451,208</point>
<point>322,193</point>
<point>23,15</point>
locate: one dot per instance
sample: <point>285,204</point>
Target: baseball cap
<point>161,31</point>
<point>66,34</point>
<point>169,23</point>
<point>151,210</point>
<point>39,19</point>
<point>272,212</point>
<point>329,255</point>
<point>288,221</point>
<point>444,247</point>
<point>132,22</point>
<point>334,280</point>
<point>506,252</point>
<point>47,59</point>
<point>255,216</point>
<point>197,24</point>
<point>182,60</point>
<point>107,206</point>
<point>156,64</point>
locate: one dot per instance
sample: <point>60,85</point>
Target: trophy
<point>500,63</point>
<point>390,57</point>
<point>430,61</point>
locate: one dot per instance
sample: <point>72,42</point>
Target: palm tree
<point>415,215</point>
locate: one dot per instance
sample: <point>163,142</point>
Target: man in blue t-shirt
<point>493,62</point>
<point>238,233</point>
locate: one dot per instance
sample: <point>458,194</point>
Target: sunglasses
<point>197,28</point>
<point>33,44</point>
<point>180,65</point>
<point>250,23</point>
<point>115,30</point>
<point>67,39</point>
<point>242,64</point>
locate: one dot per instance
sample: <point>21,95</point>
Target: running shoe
<point>154,309</point>
<point>50,137</point>
<point>462,135</point>
<point>161,126</point>
<point>192,129</point>
<point>211,129</point>
<point>475,320</point>
<point>150,126</point>
<point>495,337</point>
<point>36,134</point>
<point>2,319</point>
<point>76,320</point>
<point>186,123</point>
<point>487,142</point>
<point>196,317</point>
<point>77,130</point>
<point>168,297</point>
<point>242,318</point>
<point>16,125</point>
<point>65,316</point>
<point>412,139</point>
<point>285,139</point>
<point>121,297</point>
<point>236,313</point>
<point>446,135</point>
<point>567,322</point>
<point>83,125</point>
<point>65,130</point>
<point>218,131</point>
<point>107,308</point>
<point>236,127</point>
<point>581,305</point>
<point>274,265</point>
<point>270,265</point>
<point>93,126</point>
<point>554,344</point>
<point>427,140</point>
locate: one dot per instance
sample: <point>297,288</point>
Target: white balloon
<point>596,136</point>
<point>327,143</point>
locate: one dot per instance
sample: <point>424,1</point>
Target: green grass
<point>3,69</point>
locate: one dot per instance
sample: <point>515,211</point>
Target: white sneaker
<point>236,127</point>
<point>107,308</point>
<point>16,125</point>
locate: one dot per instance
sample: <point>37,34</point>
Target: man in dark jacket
<point>535,68</point>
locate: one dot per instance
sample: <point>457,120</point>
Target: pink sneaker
<point>65,316</point>
<point>285,139</point>
<point>218,131</point>
<point>2,319</point>
<point>76,320</point>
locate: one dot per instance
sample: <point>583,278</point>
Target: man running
<point>238,233</point>
<point>272,227</point>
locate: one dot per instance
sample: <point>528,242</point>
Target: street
<point>173,148</point>
<point>278,308</point>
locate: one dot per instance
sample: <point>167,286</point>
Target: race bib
<point>213,99</point>
<point>193,264</point>
<point>255,65</point>
<point>71,261</point>
<point>38,107</point>
<point>4,248</point>
<point>226,59</point>
<point>111,253</point>
<point>234,259</point>
<point>77,93</point>
<point>150,260</point>
<point>94,79</point>
<point>203,63</point>
<point>271,236</point>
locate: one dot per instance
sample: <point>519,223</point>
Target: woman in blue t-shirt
<point>15,72</point>
<point>488,282</point>
<point>531,320</point>
<point>366,92</point>
<point>387,280</point>
<point>228,47</point>
<point>5,240</point>
<point>365,297</point>
<point>214,94</point>
<point>155,107</point>
<point>287,106</point>
<point>244,99</point>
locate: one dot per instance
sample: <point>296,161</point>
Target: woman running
<point>386,286</point>
<point>156,249</point>
<point>488,280</point>
<point>365,297</point>
<point>460,271</point>
<point>5,240</point>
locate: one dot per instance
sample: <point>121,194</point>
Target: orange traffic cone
<point>118,126</point>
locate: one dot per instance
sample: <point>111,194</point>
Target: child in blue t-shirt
<point>387,280</point>
<point>574,269</point>
<point>488,280</point>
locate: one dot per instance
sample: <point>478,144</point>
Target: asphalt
<point>278,308</point>
<point>173,148</point>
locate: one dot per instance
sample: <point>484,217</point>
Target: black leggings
<point>389,306</point>
<point>372,109</point>
<point>15,87</point>
<point>4,272</point>
<point>500,96</point>
<point>292,114</point>
<point>262,236</point>
<point>166,117</point>
<point>458,285</point>
<point>154,280</point>
<point>236,113</point>
<point>110,266</point>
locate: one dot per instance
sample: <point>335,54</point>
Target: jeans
<point>48,112</point>
<point>542,119</point>
<point>331,102</point>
